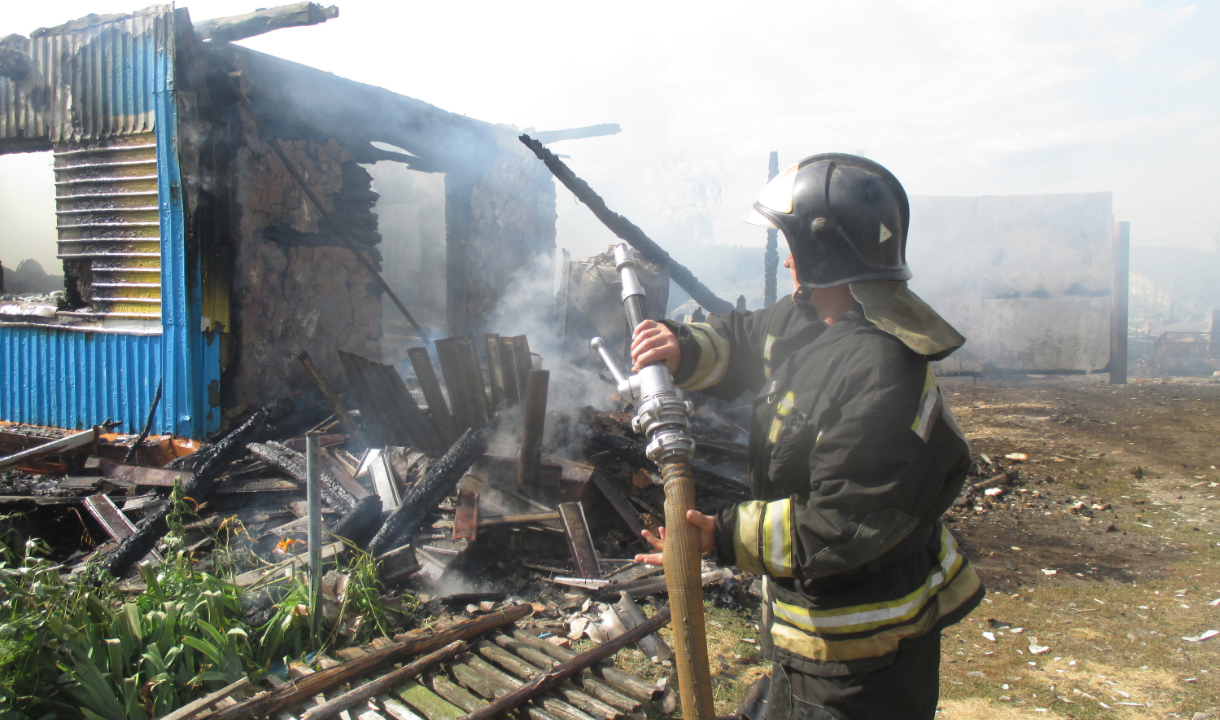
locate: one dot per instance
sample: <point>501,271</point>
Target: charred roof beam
<point>240,27</point>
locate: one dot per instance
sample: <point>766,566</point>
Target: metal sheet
<point>89,81</point>
<point>72,379</point>
<point>108,218</point>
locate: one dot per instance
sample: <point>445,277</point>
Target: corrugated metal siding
<point>91,82</point>
<point>108,218</point>
<point>71,379</point>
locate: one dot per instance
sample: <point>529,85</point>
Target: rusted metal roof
<point>90,81</point>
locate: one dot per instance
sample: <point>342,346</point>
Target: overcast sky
<point>957,98</point>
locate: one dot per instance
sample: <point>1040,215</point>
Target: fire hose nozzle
<point>627,386</point>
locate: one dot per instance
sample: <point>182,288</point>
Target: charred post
<point>532,430</point>
<point>240,27</point>
<point>495,368</point>
<point>628,231</point>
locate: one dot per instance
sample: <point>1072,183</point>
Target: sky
<point>956,98</point>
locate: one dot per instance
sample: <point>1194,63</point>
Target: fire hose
<point>664,419</point>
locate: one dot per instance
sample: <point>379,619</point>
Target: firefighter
<point>853,455</point>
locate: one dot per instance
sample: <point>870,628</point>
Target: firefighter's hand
<point>653,342</point>
<point>707,529</point>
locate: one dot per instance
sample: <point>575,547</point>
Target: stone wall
<point>296,286</point>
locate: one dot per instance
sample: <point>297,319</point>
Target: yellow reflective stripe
<point>745,537</point>
<point>781,411</point>
<point>777,538</point>
<point>767,355</point>
<point>713,357</point>
<point>857,618</point>
<point>929,407</point>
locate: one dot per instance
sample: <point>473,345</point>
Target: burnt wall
<point>511,219</point>
<point>297,286</point>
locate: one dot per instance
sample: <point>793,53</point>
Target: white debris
<point>1205,636</point>
<point>1215,602</point>
<point>1049,572</point>
<point>990,636</point>
<point>1037,649</point>
<point>1017,457</point>
<point>992,492</point>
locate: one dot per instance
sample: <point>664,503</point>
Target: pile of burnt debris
<point>468,493</point>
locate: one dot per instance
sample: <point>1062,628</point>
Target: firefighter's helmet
<point>845,218</point>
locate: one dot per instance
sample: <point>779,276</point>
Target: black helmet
<point>845,219</point>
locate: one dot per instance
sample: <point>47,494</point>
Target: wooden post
<point>313,471</point>
<point>532,430</point>
<point>437,407</point>
<point>1118,303</point>
<point>447,355</point>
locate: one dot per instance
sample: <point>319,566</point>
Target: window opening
<point>31,270</point>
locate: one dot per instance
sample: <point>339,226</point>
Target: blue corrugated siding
<point>72,379</point>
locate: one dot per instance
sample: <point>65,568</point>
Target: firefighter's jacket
<point>854,456</point>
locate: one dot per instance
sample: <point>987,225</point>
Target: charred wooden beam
<point>70,442</point>
<point>599,689</point>
<point>628,231</point>
<point>386,682</point>
<point>292,462</point>
<point>525,670</point>
<point>441,479</point>
<point>332,399</point>
<point>240,27</point>
<point>397,564</point>
<point>532,430</point>
<point>266,704</point>
<point>523,362</point>
<point>570,668</point>
<point>223,452</point>
<point>389,412</point>
<point>580,541</point>
<point>136,474</point>
<point>152,413</point>
<point>589,131</point>
<point>437,407</point>
<point>631,616</point>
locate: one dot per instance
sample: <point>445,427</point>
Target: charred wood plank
<point>346,421</point>
<point>426,702</point>
<point>526,670</point>
<point>136,474</point>
<point>292,462</point>
<point>268,703</point>
<point>386,682</point>
<point>580,542</point>
<point>628,231</point>
<point>523,362</point>
<point>116,524</point>
<point>455,694</point>
<point>239,27</point>
<point>440,481</point>
<point>437,407</point>
<point>570,668</point>
<point>466,518</point>
<point>390,414</point>
<point>631,616</point>
<point>594,687</point>
<point>532,430</point>
<point>620,503</point>
<point>465,387</point>
<point>508,366</point>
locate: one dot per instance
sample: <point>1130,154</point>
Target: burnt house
<point>192,256</point>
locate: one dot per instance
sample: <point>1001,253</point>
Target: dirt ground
<point>1099,560</point>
